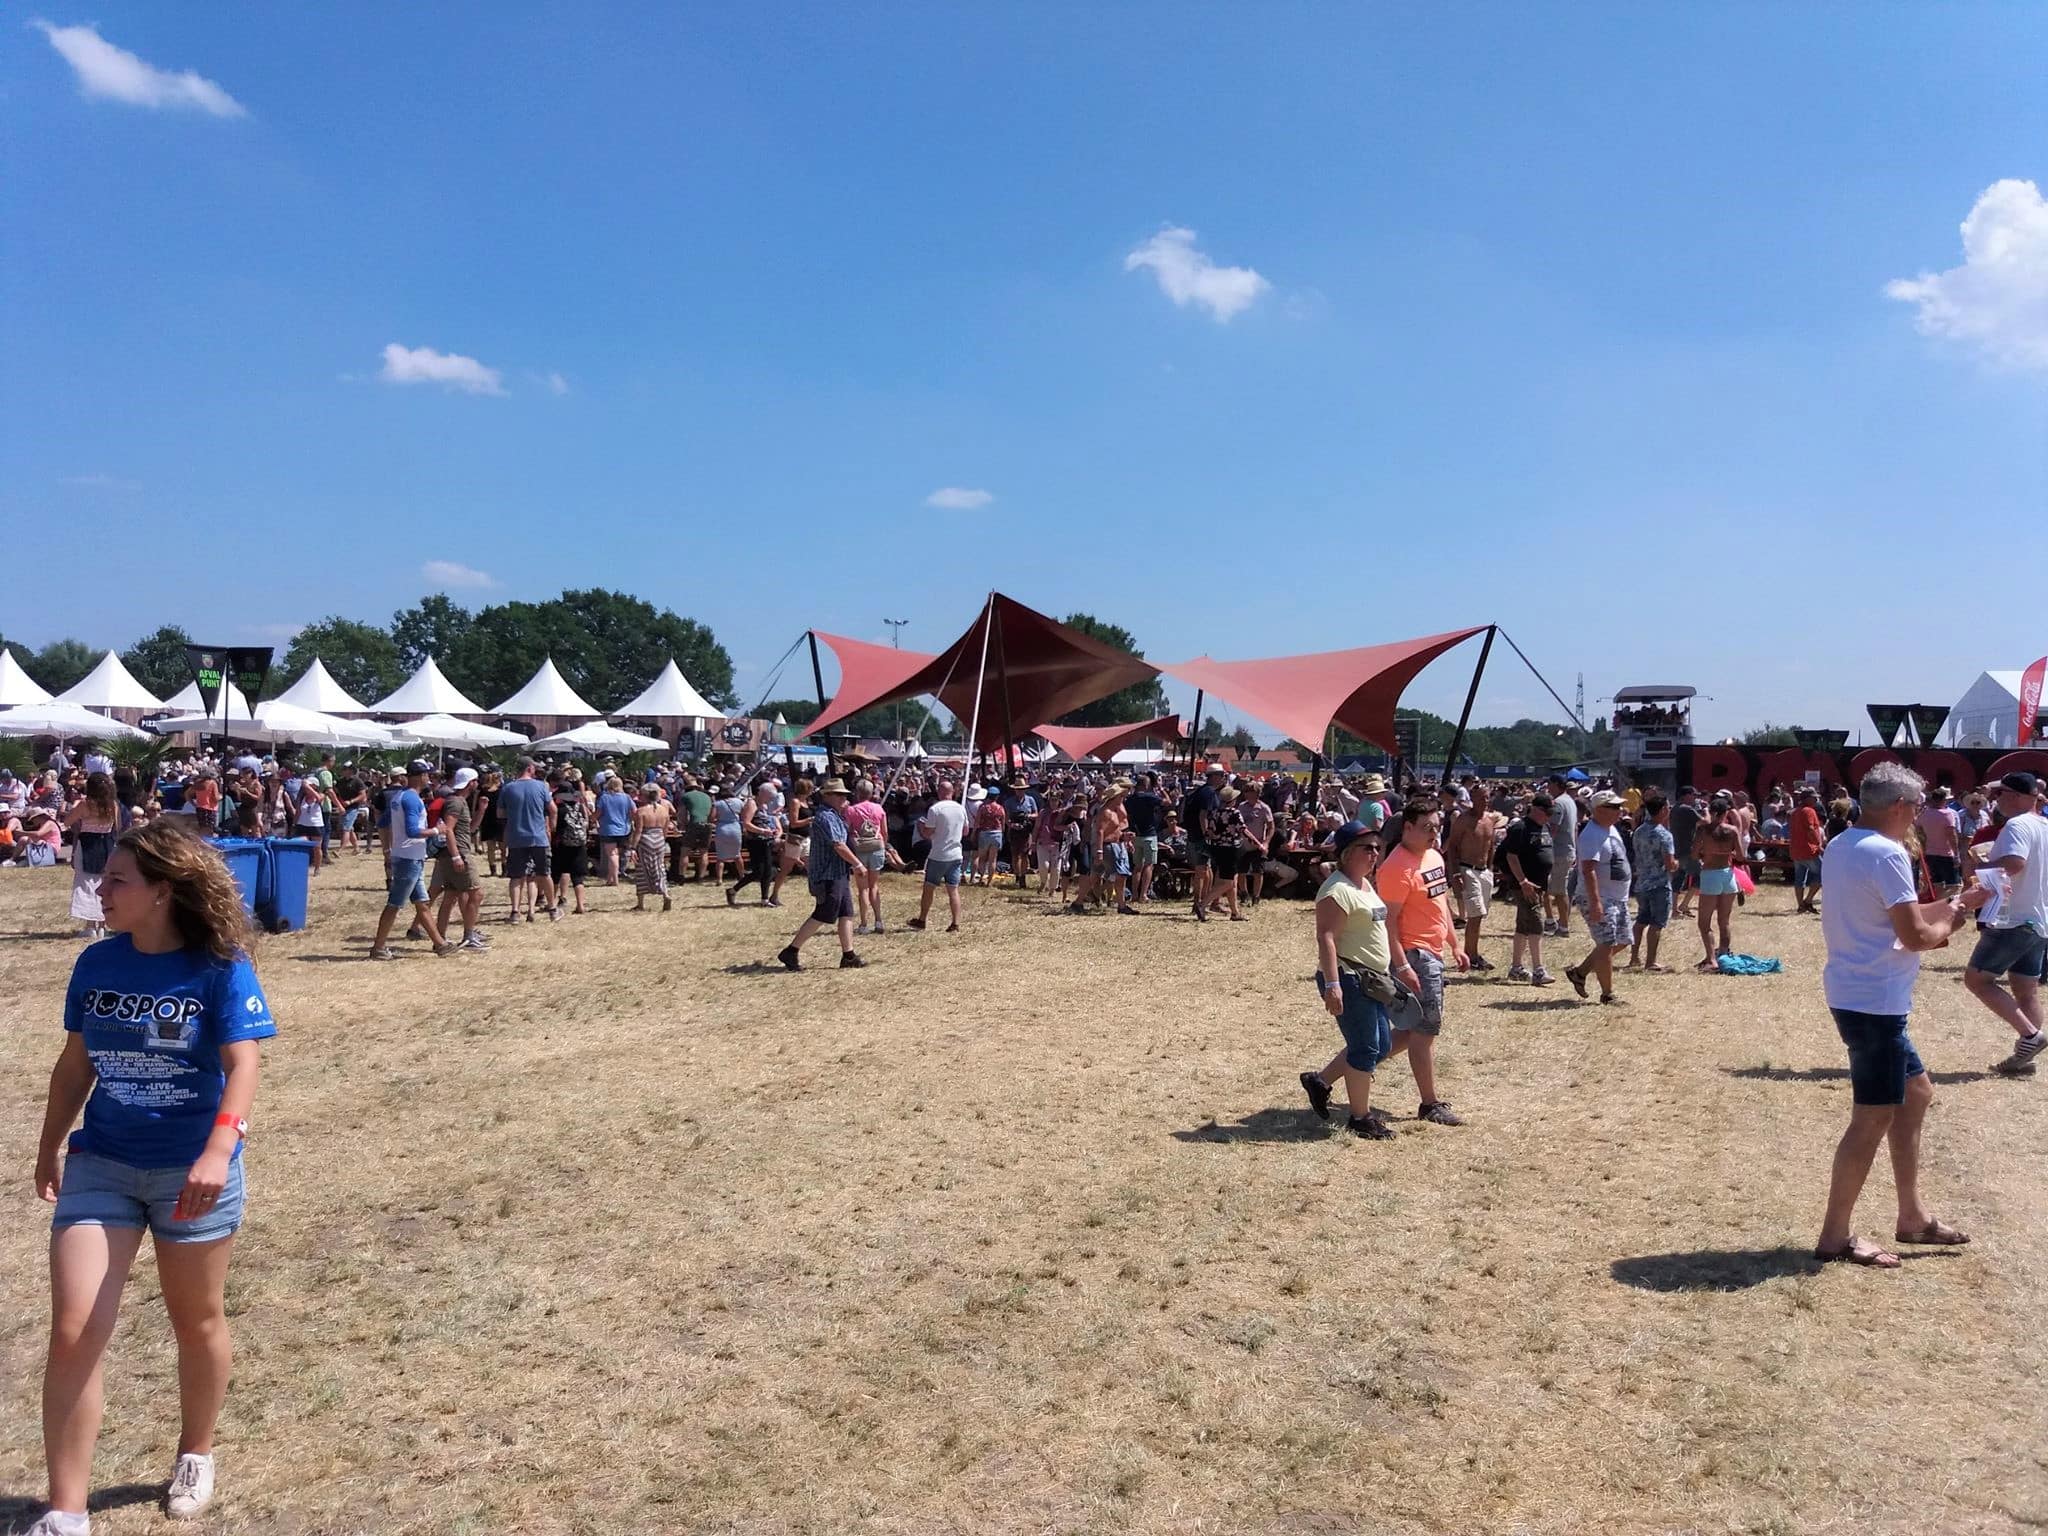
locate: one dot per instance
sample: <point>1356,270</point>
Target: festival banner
<point>2030,700</point>
<point>1927,723</point>
<point>215,666</point>
<point>1888,718</point>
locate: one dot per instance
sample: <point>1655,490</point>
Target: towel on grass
<point>1748,965</point>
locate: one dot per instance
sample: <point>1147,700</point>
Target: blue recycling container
<point>291,874</point>
<point>172,795</point>
<point>249,862</point>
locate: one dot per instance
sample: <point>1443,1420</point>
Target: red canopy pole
<point>1003,673</point>
<point>1465,714</point>
<point>818,682</point>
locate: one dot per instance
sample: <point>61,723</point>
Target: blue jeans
<point>99,1192</point>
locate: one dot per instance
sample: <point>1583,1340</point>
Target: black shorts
<point>832,902</point>
<point>573,860</point>
<point>522,862</point>
<point>1941,869</point>
<point>1223,861</point>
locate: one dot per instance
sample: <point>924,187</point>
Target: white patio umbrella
<point>72,722</point>
<point>599,737</point>
<point>276,720</point>
<point>447,731</point>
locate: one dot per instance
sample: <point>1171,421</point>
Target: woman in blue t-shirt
<point>161,1052</point>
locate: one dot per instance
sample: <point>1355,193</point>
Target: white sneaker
<point>191,1487</point>
<point>54,1524</point>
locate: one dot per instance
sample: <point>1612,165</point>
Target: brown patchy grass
<point>1027,1230</point>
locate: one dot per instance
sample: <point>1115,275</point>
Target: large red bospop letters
<point>1758,769</point>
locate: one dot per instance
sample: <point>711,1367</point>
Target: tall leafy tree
<point>1140,701</point>
<point>362,657</point>
<point>607,644</point>
<point>158,662</point>
<point>62,663</point>
<point>434,626</point>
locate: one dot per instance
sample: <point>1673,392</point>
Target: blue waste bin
<point>249,862</point>
<point>172,795</point>
<point>291,873</point>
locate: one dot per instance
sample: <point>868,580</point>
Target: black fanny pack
<point>1378,985</point>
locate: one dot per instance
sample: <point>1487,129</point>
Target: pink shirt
<point>867,816</point>
<point>1939,830</point>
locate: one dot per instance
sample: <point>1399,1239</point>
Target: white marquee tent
<point>111,689</point>
<point>599,737</point>
<point>71,722</point>
<point>547,702</point>
<point>275,720</point>
<point>186,701</point>
<point>1988,713</point>
<point>427,692</point>
<point>447,731</point>
<point>317,689</point>
<point>670,697</point>
<point>16,686</point>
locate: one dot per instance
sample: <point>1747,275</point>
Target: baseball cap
<point>1607,797</point>
<point>1348,834</point>
<point>2020,783</point>
<point>464,777</point>
<point>419,765</point>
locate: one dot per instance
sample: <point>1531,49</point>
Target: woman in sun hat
<point>162,1023</point>
<point>1353,974</point>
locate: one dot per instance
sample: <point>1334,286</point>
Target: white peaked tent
<point>110,689</point>
<point>547,702</point>
<point>317,689</point>
<point>16,686</point>
<point>427,692</point>
<point>1988,713</point>
<point>447,731</point>
<point>669,697</point>
<point>275,720</point>
<point>599,737</point>
<point>71,722</point>
<point>186,701</point>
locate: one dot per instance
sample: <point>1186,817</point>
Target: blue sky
<point>1574,318</point>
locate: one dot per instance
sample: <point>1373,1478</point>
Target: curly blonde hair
<point>206,902</point>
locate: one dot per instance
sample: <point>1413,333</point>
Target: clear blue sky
<point>1570,317</point>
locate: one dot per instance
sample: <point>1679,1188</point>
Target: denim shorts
<point>876,861</point>
<point>99,1192</point>
<point>2017,951</point>
<point>1367,1036</point>
<point>1718,882</point>
<point>942,871</point>
<point>1805,872</point>
<point>1614,929</point>
<point>1881,1055</point>
<point>408,882</point>
<point>831,901</point>
<point>1118,857</point>
<point>1423,1011</point>
<point>1653,907</point>
<point>983,841</point>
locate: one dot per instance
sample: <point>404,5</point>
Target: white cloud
<point>955,498</point>
<point>423,365</point>
<point>557,384</point>
<point>450,573</point>
<point>1187,276</point>
<point>118,75</point>
<point>282,632</point>
<point>102,482</point>
<point>1997,300</point>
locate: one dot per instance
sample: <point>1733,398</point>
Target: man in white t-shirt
<point>2015,940</point>
<point>1875,927</point>
<point>1604,878</point>
<point>945,824</point>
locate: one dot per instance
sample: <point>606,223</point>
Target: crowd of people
<point>163,1019</point>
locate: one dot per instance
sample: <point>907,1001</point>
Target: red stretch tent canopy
<point>1038,669</point>
<point>1304,695</point>
<point>1105,741</point>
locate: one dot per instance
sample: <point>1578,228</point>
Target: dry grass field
<point>1028,1230</point>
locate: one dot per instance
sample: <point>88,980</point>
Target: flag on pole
<point>2030,700</point>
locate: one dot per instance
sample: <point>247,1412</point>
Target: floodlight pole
<point>1465,714</point>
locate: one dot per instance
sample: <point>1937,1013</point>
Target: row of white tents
<point>316,710</point>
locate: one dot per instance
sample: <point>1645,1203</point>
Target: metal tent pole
<point>988,612</point>
<point>1195,736</point>
<point>1003,675</point>
<point>1465,714</point>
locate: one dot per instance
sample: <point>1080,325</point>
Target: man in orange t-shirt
<point>1806,841</point>
<point>1413,883</point>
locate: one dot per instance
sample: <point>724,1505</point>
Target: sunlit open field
<point>1029,1230</point>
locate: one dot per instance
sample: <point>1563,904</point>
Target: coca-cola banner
<point>1759,769</point>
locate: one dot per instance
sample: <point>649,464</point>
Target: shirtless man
<point>1718,846</point>
<point>1109,859</point>
<point>1470,844</point>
